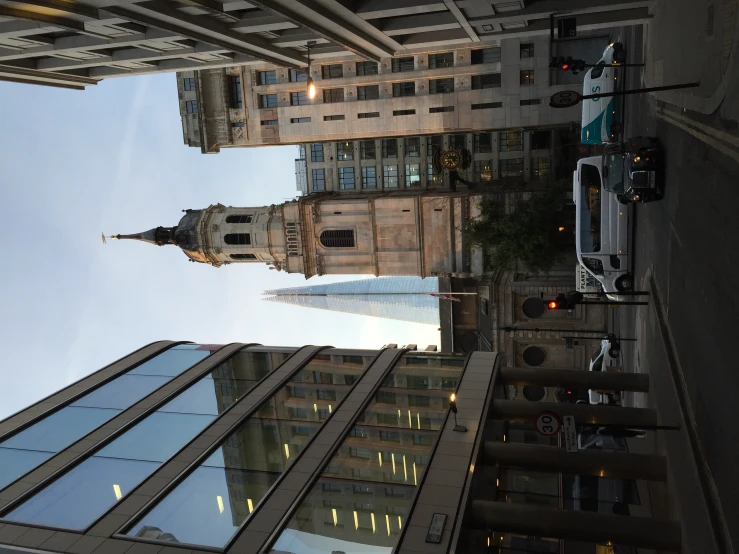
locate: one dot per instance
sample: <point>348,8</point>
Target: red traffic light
<point>565,66</point>
<point>552,305</point>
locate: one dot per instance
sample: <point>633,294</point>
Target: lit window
<point>345,151</point>
<point>412,174</point>
<point>390,176</point>
<point>527,76</point>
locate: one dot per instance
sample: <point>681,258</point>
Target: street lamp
<point>453,406</point>
<point>311,86</point>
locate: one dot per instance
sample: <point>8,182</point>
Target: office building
<point>75,44</point>
<point>402,298</point>
<point>258,449</point>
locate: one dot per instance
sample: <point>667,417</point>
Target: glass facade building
<point>273,450</point>
<point>402,298</point>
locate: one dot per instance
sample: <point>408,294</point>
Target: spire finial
<point>109,237</point>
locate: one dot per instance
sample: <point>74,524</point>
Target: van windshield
<point>613,170</point>
<point>590,211</point>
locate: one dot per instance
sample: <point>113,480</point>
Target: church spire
<point>159,236</point>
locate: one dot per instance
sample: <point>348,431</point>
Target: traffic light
<point>559,303</point>
<point>566,64</point>
<point>576,66</point>
<point>565,301</point>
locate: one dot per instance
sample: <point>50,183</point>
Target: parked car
<point>633,170</point>
<point>602,117</point>
<point>608,358</point>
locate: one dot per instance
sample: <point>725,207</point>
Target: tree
<point>534,231</point>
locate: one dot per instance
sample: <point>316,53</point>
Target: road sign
<point>567,27</point>
<point>548,424</point>
<point>565,99</point>
<point>570,433</point>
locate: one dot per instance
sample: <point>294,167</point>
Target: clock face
<point>451,159</point>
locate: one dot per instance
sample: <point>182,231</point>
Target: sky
<point>111,159</point>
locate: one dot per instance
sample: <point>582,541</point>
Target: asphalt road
<point>689,242</point>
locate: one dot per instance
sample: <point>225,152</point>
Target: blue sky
<point>111,159</point>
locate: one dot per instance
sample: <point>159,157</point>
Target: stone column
<point>547,377</point>
<point>574,525</point>
<point>537,457</point>
<point>515,410</point>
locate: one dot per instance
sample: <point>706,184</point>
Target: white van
<point>602,117</point>
<point>602,229</point>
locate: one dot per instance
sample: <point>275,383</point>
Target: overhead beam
<point>544,8</point>
<point>452,5</point>
<point>376,9</point>
<point>425,23</point>
<point>262,23</point>
<point>21,74</point>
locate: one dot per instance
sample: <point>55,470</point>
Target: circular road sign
<point>548,424</point>
<point>565,99</point>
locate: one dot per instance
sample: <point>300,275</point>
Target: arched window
<point>338,238</point>
<point>237,238</point>
<point>238,218</point>
<point>243,257</point>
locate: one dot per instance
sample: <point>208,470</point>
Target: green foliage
<point>529,233</point>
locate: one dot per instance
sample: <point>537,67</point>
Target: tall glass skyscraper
<point>403,298</point>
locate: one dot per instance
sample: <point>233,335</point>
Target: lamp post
<point>311,86</point>
<point>453,406</point>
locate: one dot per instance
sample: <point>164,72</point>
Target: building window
<point>413,147</point>
<point>390,176</point>
<point>241,218</point>
<point>483,170</point>
<point>333,71</point>
<point>269,122</point>
<point>419,400</point>
<point>385,397</point>
<point>389,148</point>
<point>191,106</point>
<point>433,178</point>
<point>268,101</point>
<point>404,112</point>
<point>458,142</point>
<point>267,77</point>
<point>369,92</point>
<point>367,149</point>
<point>389,436</point>
<point>541,140</point>
<point>483,143</point>
<point>346,178</point>
<point>412,174</point>
<point>297,76</point>
<point>422,440</point>
<point>511,168</point>
<point>485,55</point>
<point>237,238</point>
<point>487,105</point>
<point>188,83</point>
<point>369,177</point>
<point>530,102</point>
<point>434,142</point>
<point>243,257</point>
<point>234,89</point>
<point>527,50</point>
<point>238,124</point>
<point>490,80</point>
<point>344,151</point>
<point>445,59</point>
<point>367,68</point>
<point>368,115</point>
<point>338,238</point>
<point>441,109</point>
<point>300,120</point>
<point>527,76</point>
<point>319,179</point>
<point>333,117</point>
<point>510,141</point>
<point>316,152</point>
<point>403,64</point>
<point>540,168</point>
<point>331,95</point>
<point>298,98</point>
<point>441,86</point>
<point>407,88</point>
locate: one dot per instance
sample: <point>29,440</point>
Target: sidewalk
<point>692,40</point>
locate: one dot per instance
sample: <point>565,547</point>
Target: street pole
<point>640,90</point>
<point>613,302</point>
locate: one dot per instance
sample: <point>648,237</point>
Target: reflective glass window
<point>74,501</point>
<point>14,463</point>
<point>210,504</point>
<point>361,501</point>
<point>122,392</point>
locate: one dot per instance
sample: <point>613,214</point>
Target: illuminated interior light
<point>415,477</point>
<point>387,522</point>
<point>329,408</point>
<point>315,408</point>
<point>400,523</point>
<point>379,457</point>
<point>372,515</point>
<point>410,421</point>
<point>356,520</point>
<point>488,540</point>
<point>220,504</point>
<point>393,458</point>
<point>405,469</point>
<point>117,491</point>
<point>251,506</point>
<point>287,451</point>
<point>418,419</point>
<point>497,482</point>
<point>336,518</point>
<point>398,415</point>
<point>503,438</point>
